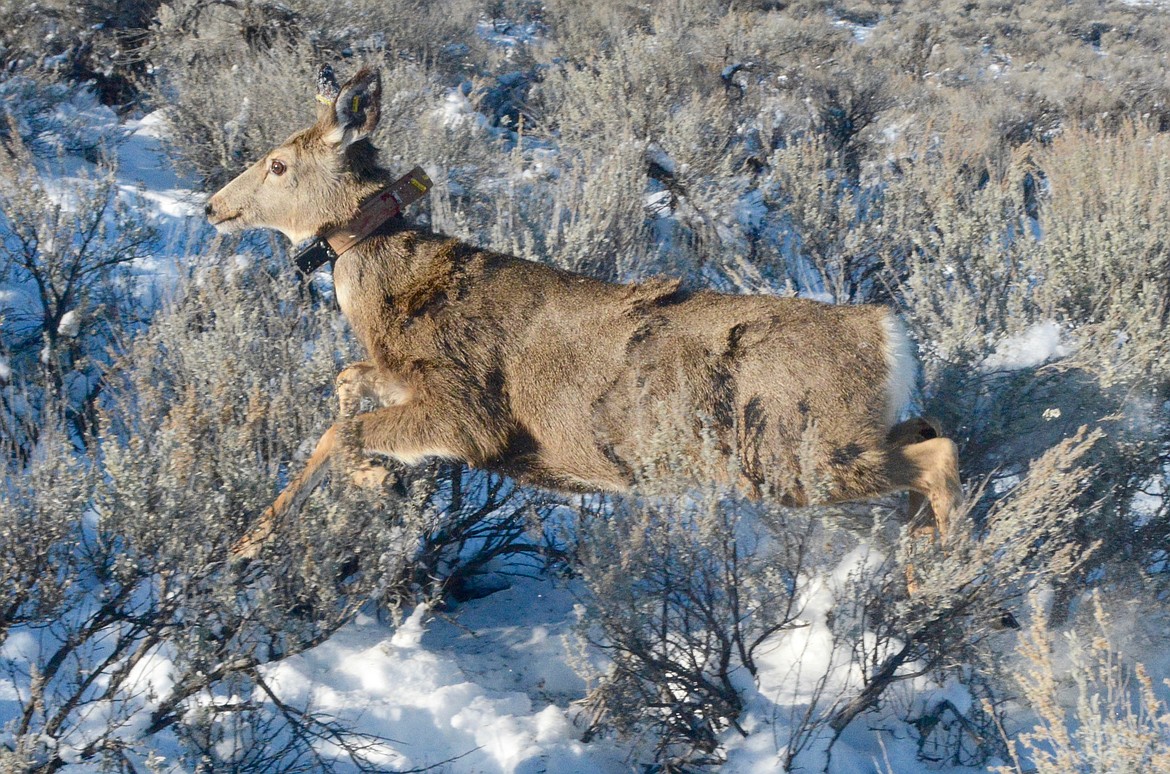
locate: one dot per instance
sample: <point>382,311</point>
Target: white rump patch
<point>901,368</point>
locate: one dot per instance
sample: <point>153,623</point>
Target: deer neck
<point>380,208</point>
<point>379,211</point>
<point>353,198</point>
<point>395,266</point>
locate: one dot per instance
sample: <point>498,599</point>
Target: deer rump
<point>648,381</point>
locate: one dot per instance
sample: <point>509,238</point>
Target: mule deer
<point>560,380</point>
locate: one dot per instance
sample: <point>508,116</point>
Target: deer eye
<point>278,167</point>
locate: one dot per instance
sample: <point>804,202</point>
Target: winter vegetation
<point>997,172</point>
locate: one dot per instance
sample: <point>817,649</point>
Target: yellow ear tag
<point>357,100</point>
<point>324,100</point>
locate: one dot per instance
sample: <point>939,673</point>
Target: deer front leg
<point>361,381</point>
<point>408,432</point>
<point>358,382</point>
<point>293,496</point>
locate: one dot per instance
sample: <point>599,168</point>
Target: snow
<point>751,210</point>
<point>1035,345</point>
<point>457,110</point>
<point>658,204</point>
<point>861,32</point>
<point>144,171</point>
<point>824,296</point>
<point>805,668</point>
<point>482,685</point>
<point>410,631</point>
<point>507,35</point>
<point>20,646</point>
<point>70,325</point>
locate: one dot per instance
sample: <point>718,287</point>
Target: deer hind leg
<point>913,431</point>
<point>929,469</point>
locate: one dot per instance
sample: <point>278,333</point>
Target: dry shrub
<point>40,510</point>
<point>92,42</point>
<point>988,249</point>
<point>687,584</point>
<point>963,591</point>
<point>583,32</point>
<point>195,418</point>
<point>223,112</point>
<point>1106,222</point>
<point>682,594</point>
<point>441,35</point>
<point>592,220</point>
<point>832,250</point>
<point>236,80</point>
<point>68,256</point>
<point>621,96</point>
<point>1096,710</point>
<point>772,42</point>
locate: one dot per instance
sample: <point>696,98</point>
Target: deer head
<point>318,177</point>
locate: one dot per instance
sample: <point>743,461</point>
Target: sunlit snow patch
<point>1036,344</point>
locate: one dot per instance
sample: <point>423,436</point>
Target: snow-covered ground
<point>485,687</point>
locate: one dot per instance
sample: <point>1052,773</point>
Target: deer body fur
<point>575,384</point>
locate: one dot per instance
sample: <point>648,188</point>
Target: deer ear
<point>356,108</point>
<point>327,91</point>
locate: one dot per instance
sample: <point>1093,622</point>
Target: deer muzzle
<point>218,217</point>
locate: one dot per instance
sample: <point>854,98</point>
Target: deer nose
<point>209,209</point>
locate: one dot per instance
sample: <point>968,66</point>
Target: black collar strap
<point>375,211</point>
<point>313,256</point>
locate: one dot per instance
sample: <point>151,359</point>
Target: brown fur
<point>570,383</point>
